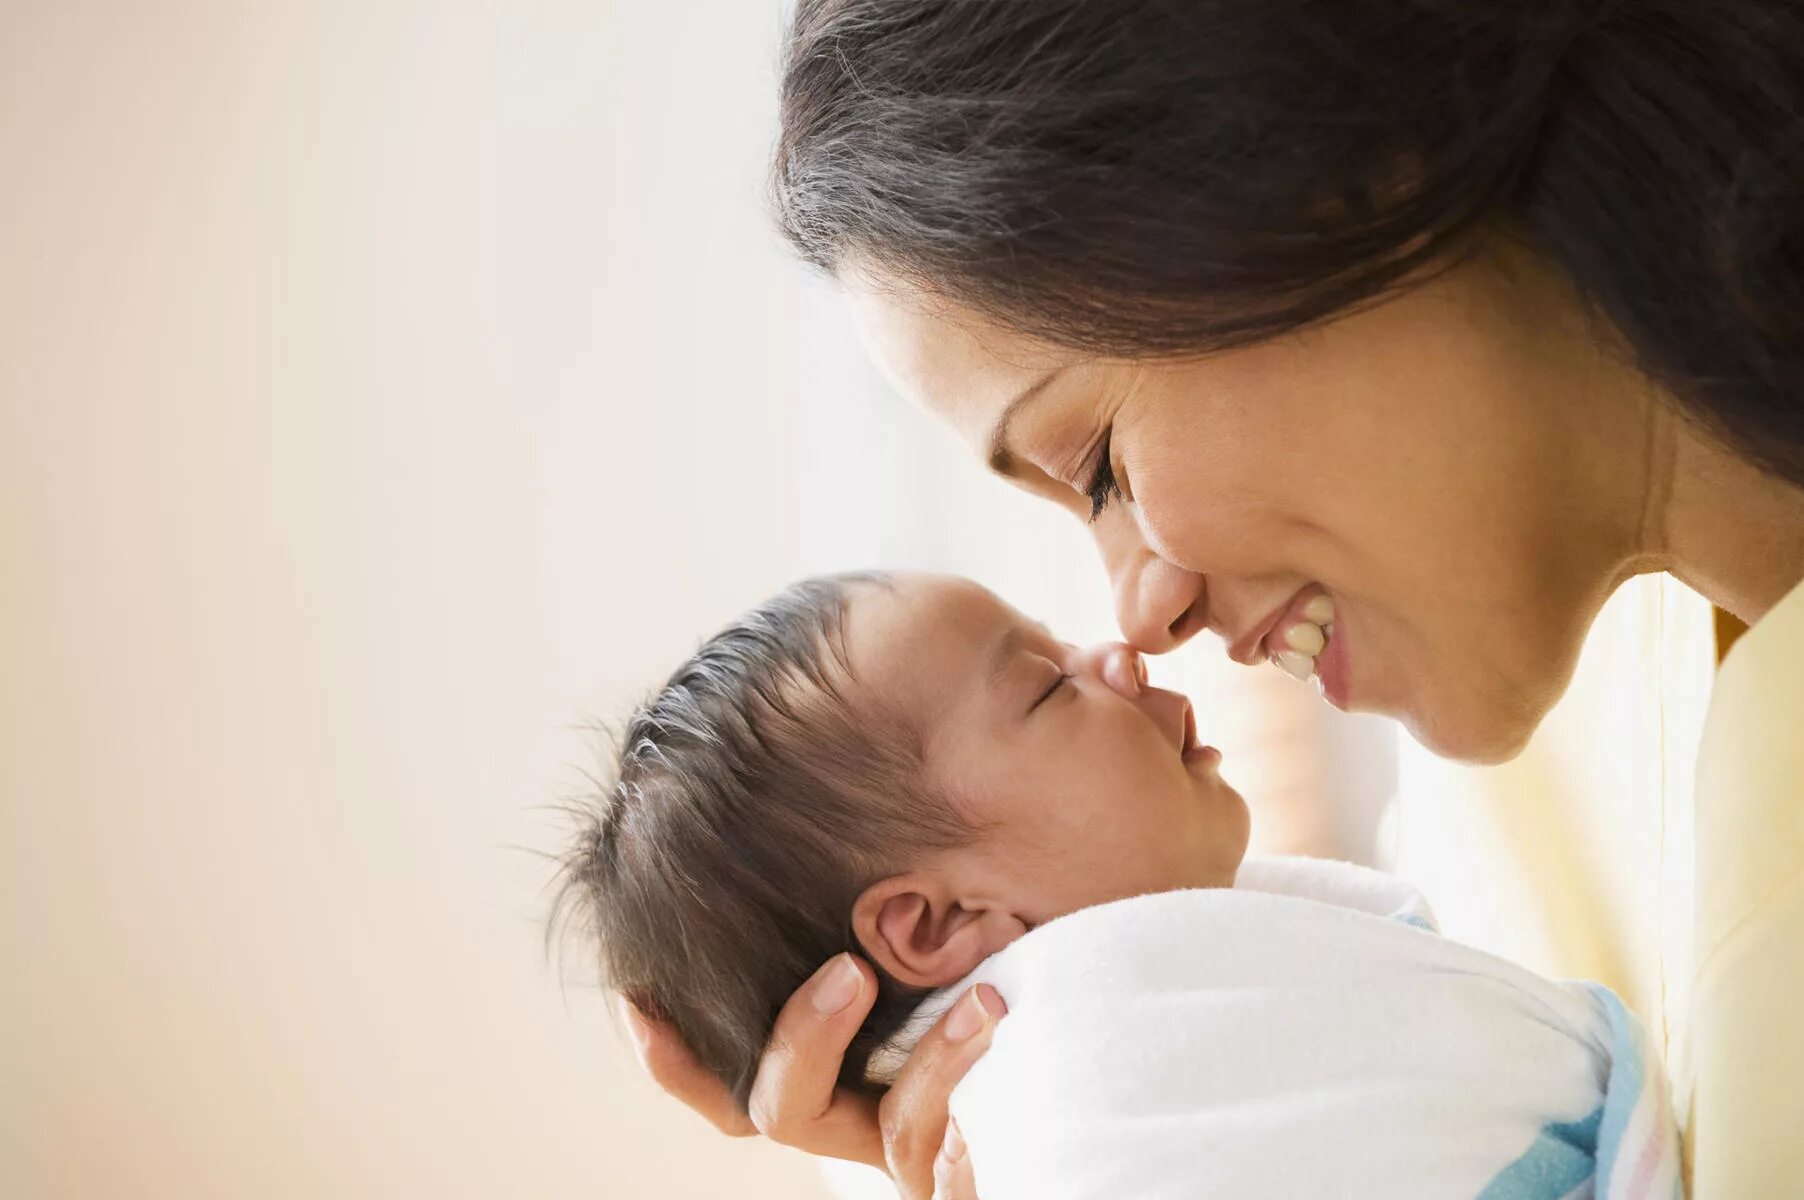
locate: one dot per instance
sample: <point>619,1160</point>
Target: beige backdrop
<point>327,332</point>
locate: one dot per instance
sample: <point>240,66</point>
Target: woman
<point>1463,311</point>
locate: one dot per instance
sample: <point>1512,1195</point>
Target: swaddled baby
<point>905,768</point>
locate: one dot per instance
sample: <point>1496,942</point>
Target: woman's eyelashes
<point>1103,486</point>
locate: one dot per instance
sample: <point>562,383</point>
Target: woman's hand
<point>795,1100</point>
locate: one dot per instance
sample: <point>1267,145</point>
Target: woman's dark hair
<point>751,805</point>
<point>1171,177</point>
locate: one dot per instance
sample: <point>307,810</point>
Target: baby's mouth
<point>1193,750</point>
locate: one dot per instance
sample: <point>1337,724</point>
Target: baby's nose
<point>1120,666</point>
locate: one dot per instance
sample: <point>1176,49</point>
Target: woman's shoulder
<point>1750,772</point>
<point>1783,625</point>
<point>1744,1040</point>
<point>1750,775</point>
<point>1754,735</point>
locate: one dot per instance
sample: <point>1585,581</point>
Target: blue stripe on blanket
<point>1627,1081</point>
<point>1562,1157</point>
<point>1566,1156</point>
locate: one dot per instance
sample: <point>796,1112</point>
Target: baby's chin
<point>1223,845</point>
<point>1214,867</point>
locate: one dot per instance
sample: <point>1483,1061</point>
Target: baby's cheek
<point>1158,829</point>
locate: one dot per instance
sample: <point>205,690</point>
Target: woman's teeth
<point>1298,666</point>
<point>1305,637</point>
<point>1304,640</point>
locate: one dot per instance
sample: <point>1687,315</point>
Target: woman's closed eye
<point>1103,486</point>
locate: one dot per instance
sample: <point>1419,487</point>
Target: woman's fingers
<point>796,1099</point>
<point>952,1176</point>
<point>668,1061</point>
<point>913,1114</point>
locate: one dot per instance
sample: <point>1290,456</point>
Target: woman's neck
<point>1724,527</point>
<point>1667,494</point>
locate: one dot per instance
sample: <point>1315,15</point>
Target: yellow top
<point>1745,1036</point>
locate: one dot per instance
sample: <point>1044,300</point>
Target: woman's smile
<point>1301,640</point>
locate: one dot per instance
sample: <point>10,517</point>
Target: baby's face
<point>1085,785</point>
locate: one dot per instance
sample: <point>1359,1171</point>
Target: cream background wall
<point>321,399</point>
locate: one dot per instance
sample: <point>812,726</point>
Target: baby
<point>900,766</point>
<point>904,767</point>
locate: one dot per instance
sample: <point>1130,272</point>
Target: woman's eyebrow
<point>1002,460</point>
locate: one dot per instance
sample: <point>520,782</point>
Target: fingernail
<point>953,1148</point>
<point>836,985</point>
<point>1139,661</point>
<point>983,1003</point>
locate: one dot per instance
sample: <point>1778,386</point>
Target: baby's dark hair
<point>753,800</point>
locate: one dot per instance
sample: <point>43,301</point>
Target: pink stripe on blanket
<point>1647,1163</point>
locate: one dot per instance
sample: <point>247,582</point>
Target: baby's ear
<point>924,935</point>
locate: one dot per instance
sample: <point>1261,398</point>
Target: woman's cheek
<point>1198,532</point>
<point>1173,519</point>
<point>1203,507</point>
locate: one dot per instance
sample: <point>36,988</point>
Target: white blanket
<point>1305,1034</point>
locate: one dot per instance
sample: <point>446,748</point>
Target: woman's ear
<point>923,934</point>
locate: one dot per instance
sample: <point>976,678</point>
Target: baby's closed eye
<point>1058,681</point>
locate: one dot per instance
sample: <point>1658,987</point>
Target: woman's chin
<point>1480,737</point>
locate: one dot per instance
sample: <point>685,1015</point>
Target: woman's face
<point>1444,465</point>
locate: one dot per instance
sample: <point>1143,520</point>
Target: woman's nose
<point>1158,606</point>
<point>1119,666</point>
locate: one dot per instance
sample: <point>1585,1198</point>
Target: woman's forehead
<point>959,365</point>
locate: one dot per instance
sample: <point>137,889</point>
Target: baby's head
<point>900,766</point>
